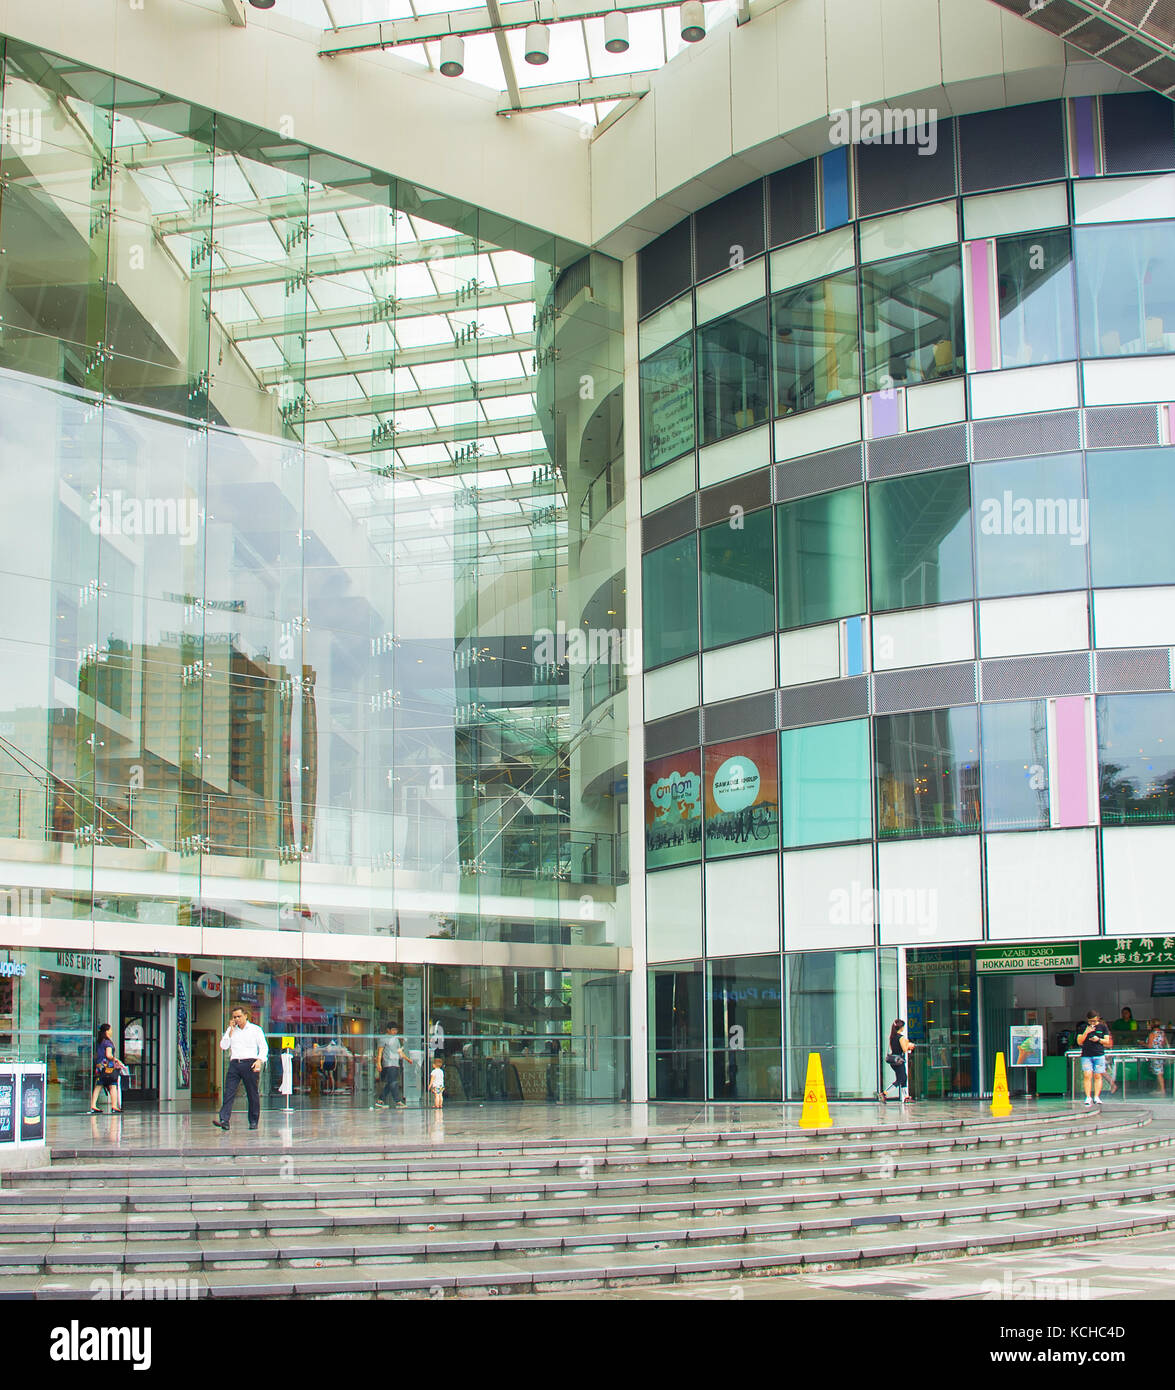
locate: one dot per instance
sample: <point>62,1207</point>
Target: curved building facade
<point>628,581</point>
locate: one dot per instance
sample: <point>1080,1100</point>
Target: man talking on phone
<point>1093,1040</point>
<point>248,1052</point>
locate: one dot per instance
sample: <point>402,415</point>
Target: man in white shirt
<point>248,1051</point>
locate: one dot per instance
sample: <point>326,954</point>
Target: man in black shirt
<point>1093,1040</point>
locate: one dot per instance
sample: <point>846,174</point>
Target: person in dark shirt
<point>1093,1040</point>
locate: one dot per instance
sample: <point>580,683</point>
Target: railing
<point>600,682</point>
<point>605,491</point>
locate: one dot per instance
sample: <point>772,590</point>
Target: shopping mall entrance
<point>146,989</point>
<point>1029,1001</point>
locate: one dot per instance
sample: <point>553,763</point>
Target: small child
<point>436,1084</point>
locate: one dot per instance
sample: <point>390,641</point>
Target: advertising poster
<point>667,385</point>
<point>742,796</point>
<point>673,810</point>
<point>183,1030</point>
<point>1026,1045</point>
<point>32,1106</point>
<point>7,1107</point>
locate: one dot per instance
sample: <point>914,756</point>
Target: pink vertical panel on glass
<point>979,255</point>
<point>1072,762</point>
<point>1170,409</point>
<point>884,413</point>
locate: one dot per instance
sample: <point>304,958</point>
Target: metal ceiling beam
<point>346,263</point>
<point>290,207</point>
<point>361,363</point>
<point>1109,31</point>
<point>512,14</point>
<point>504,55</point>
<point>357,315</point>
<point>396,401</point>
<point>556,94</point>
<point>451,434</point>
<point>235,10</point>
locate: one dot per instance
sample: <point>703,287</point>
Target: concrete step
<point>579,1272</point>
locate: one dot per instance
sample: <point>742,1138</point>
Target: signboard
<point>673,810</point>
<point>12,969</point>
<point>938,1049</point>
<point>32,1105</point>
<point>287,1042</point>
<point>148,976</point>
<point>85,963</point>
<point>209,985</point>
<point>1128,953</point>
<point>1052,956</point>
<point>1026,1045</point>
<point>7,1107</point>
<point>742,796</point>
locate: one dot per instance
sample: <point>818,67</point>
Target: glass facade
<point>289,573</point>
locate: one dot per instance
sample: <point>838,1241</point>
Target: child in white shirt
<point>436,1084</point>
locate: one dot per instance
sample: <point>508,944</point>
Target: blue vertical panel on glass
<point>835,168</point>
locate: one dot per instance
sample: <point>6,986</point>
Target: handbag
<point>894,1059</point>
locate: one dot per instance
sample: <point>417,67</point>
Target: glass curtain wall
<point>290,448</point>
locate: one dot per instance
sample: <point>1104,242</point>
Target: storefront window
<point>746,998</point>
<point>738,580</point>
<point>1126,288</point>
<point>1031,519</point>
<point>920,539</point>
<point>927,773</point>
<point>667,403</point>
<point>734,369</point>
<point>1015,766</point>
<point>815,336</point>
<point>671,601</point>
<point>1036,298</point>
<point>742,797</point>
<point>821,547</point>
<point>913,319</point>
<point>832,1010</point>
<point>1136,759</point>
<point>825,784</point>
<point>941,1023</point>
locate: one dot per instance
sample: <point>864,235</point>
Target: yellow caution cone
<point>815,1114</point>
<point>1001,1103</point>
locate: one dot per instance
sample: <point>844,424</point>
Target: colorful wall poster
<point>742,796</point>
<point>673,810</point>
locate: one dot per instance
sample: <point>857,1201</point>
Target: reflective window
<point>1036,298</point>
<point>821,553</point>
<point>671,601</point>
<point>1136,759</point>
<point>927,772</point>
<point>1126,288</point>
<point>677,1033</point>
<point>734,392</point>
<point>1031,520</point>
<point>832,1010</point>
<point>920,539</point>
<point>825,784</point>
<point>673,809</point>
<point>912,319</point>
<point>667,403</point>
<point>815,338</point>
<point>1131,502</point>
<point>742,796</point>
<point>738,579</point>
<point>746,1005</point>
<point>1015,766</point>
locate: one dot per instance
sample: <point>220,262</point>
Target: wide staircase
<point>475,1218</point>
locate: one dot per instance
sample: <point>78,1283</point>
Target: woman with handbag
<point>899,1049</point>
<point>107,1072</point>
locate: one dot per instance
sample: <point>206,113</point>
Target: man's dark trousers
<point>241,1069</point>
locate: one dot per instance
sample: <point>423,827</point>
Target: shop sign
<point>1052,956</point>
<point>209,986</point>
<point>7,1107</point>
<point>12,969</point>
<point>248,992</point>
<point>1128,953</point>
<point>85,963</point>
<point>32,1106</point>
<point>145,975</point>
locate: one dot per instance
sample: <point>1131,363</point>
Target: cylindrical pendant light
<point>538,44</point>
<point>693,21</point>
<point>616,32</point>
<point>452,55</point>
